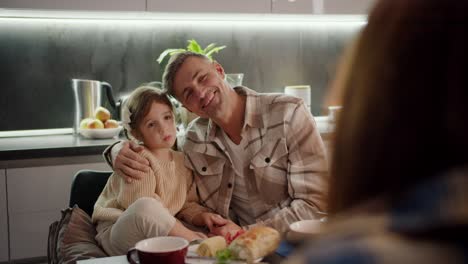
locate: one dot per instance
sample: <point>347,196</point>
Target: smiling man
<point>257,158</point>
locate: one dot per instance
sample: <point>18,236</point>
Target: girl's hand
<point>228,228</point>
<point>209,220</point>
<point>200,235</point>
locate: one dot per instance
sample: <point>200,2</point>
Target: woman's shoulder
<point>376,247</point>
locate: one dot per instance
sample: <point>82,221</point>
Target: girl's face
<point>157,129</point>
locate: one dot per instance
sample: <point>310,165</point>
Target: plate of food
<point>245,246</point>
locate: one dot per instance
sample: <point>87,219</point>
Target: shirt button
<point>229,185</point>
<point>203,169</point>
<point>267,160</point>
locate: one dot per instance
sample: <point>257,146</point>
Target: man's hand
<point>128,162</point>
<point>229,227</point>
<point>209,220</point>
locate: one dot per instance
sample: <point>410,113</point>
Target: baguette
<point>255,243</point>
<point>210,246</point>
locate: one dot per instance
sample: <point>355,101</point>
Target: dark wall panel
<point>39,57</point>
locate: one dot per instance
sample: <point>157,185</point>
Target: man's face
<point>199,85</point>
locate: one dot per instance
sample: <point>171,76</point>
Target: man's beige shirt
<point>288,169</point>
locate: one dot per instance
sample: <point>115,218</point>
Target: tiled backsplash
<point>40,56</point>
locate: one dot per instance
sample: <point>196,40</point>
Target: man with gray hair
<point>257,158</point>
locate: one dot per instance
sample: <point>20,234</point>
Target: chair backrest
<point>86,187</point>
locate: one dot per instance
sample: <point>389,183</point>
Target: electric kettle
<point>89,95</point>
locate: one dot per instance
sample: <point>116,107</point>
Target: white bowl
<point>304,229</point>
<point>100,132</point>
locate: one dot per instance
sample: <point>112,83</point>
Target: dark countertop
<point>69,145</point>
<point>31,147</point>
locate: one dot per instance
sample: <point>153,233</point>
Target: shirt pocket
<point>204,165</point>
<point>270,153</point>
<point>210,171</point>
<point>270,165</point>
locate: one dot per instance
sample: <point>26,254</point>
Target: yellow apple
<point>95,123</point>
<point>111,123</point>
<point>102,114</point>
<point>84,123</point>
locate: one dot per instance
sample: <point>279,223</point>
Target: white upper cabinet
<point>97,5</point>
<point>201,6</point>
<point>292,6</point>
<point>347,6</point>
<point>212,6</point>
<point>358,7</point>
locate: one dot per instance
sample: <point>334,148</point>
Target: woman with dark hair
<point>399,173</point>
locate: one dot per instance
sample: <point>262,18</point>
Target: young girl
<point>126,213</point>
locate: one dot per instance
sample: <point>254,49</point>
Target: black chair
<point>86,187</point>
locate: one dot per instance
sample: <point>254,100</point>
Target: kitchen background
<point>40,56</point>
<point>118,41</point>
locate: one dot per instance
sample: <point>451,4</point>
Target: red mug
<point>159,250</point>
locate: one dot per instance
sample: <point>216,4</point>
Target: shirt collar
<point>253,112</point>
<point>253,116</point>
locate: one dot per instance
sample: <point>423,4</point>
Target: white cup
<point>304,229</point>
<point>333,112</point>
<point>234,79</point>
<point>301,91</point>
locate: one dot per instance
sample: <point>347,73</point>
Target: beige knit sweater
<point>169,182</point>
